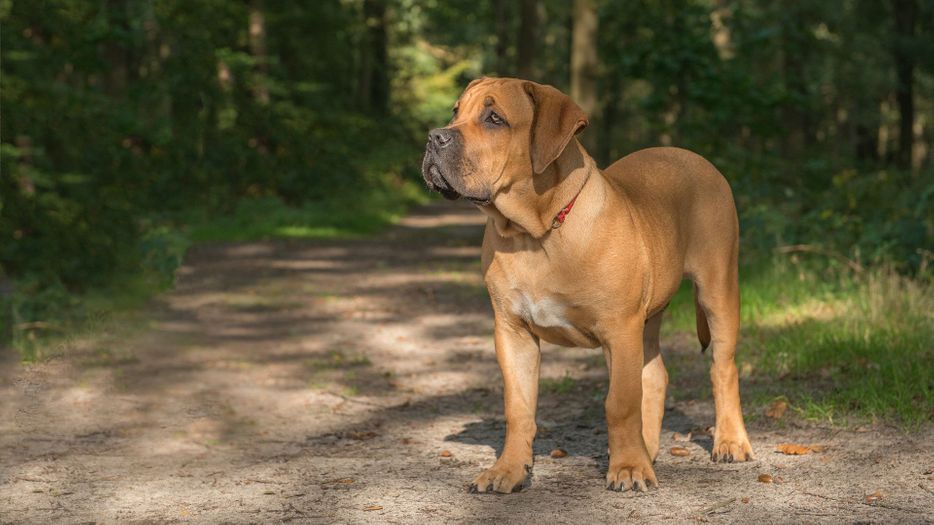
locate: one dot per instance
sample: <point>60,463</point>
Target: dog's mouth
<point>437,182</point>
<point>478,201</point>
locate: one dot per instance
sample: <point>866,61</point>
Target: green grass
<point>839,345</point>
<point>342,216</point>
<point>563,385</point>
<point>95,323</point>
<point>387,189</point>
<point>48,321</point>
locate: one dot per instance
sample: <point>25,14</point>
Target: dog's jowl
<point>580,256</point>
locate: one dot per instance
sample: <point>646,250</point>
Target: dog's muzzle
<point>438,147</point>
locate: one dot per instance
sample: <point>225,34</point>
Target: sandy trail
<point>320,382</point>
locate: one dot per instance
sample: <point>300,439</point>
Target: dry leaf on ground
<point>373,507</point>
<point>680,451</point>
<point>777,409</point>
<point>445,453</point>
<point>765,478</point>
<point>678,436</point>
<point>874,497</point>
<point>361,435</point>
<point>559,453</point>
<point>793,450</point>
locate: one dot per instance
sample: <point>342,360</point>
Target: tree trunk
<point>610,116</point>
<point>905,14</point>
<point>794,115</point>
<point>115,50</point>
<point>373,88</point>
<point>867,131</point>
<point>584,66</point>
<point>258,50</point>
<point>528,29</point>
<point>501,13</point>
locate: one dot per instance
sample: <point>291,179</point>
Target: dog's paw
<point>638,476</point>
<point>502,477</point>
<point>730,449</point>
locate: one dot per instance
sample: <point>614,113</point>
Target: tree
<point>257,33</point>
<point>528,32</point>
<point>905,12</point>
<point>584,65</point>
<point>503,30</point>
<point>373,88</point>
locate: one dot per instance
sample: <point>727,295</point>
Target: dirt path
<point>321,382</point>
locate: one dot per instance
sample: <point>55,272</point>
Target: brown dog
<point>583,257</point>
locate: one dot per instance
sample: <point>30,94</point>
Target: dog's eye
<point>495,119</point>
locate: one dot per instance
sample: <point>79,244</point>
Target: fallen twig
<point>38,325</point>
<point>358,401</point>
<point>717,505</point>
<point>873,504</point>
<point>812,248</point>
<point>253,480</point>
<point>32,480</point>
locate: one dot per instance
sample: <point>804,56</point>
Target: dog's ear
<point>557,119</point>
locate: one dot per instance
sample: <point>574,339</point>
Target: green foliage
<point>558,386</point>
<point>130,128</point>
<point>839,343</point>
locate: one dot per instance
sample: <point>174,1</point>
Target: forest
<point>134,129</point>
<point>226,294</point>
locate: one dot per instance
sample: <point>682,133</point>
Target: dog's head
<point>503,130</point>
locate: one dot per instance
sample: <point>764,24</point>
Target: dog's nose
<point>440,137</point>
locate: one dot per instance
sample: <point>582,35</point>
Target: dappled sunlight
<point>296,376</point>
<point>231,292</point>
<point>814,309</point>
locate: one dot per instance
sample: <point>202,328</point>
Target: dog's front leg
<point>630,464</point>
<point>518,353</point>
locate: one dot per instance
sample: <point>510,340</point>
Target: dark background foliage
<point>132,127</point>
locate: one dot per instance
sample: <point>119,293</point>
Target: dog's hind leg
<point>717,288</point>
<point>654,384</point>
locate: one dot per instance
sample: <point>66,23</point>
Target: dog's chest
<point>552,319</point>
<point>544,312</point>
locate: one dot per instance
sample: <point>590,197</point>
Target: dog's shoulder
<point>663,169</point>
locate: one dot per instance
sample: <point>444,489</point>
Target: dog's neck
<point>529,206</point>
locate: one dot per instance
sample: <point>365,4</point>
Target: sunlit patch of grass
<point>105,357</point>
<point>840,345</point>
<point>339,359</point>
<point>89,325</point>
<point>347,215</point>
<point>342,371</point>
<point>563,385</point>
<point>259,303</point>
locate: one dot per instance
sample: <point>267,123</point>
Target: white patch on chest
<point>546,313</point>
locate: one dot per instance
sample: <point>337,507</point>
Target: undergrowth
<point>838,343</point>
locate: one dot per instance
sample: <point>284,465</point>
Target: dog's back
<point>681,196</point>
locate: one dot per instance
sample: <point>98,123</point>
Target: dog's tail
<point>703,329</point>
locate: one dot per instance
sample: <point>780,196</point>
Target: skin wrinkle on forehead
<point>464,115</point>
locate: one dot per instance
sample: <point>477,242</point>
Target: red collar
<point>563,214</point>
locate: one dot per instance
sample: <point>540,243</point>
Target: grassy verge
<point>838,345</point>
<point>47,320</point>
<point>342,216</point>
